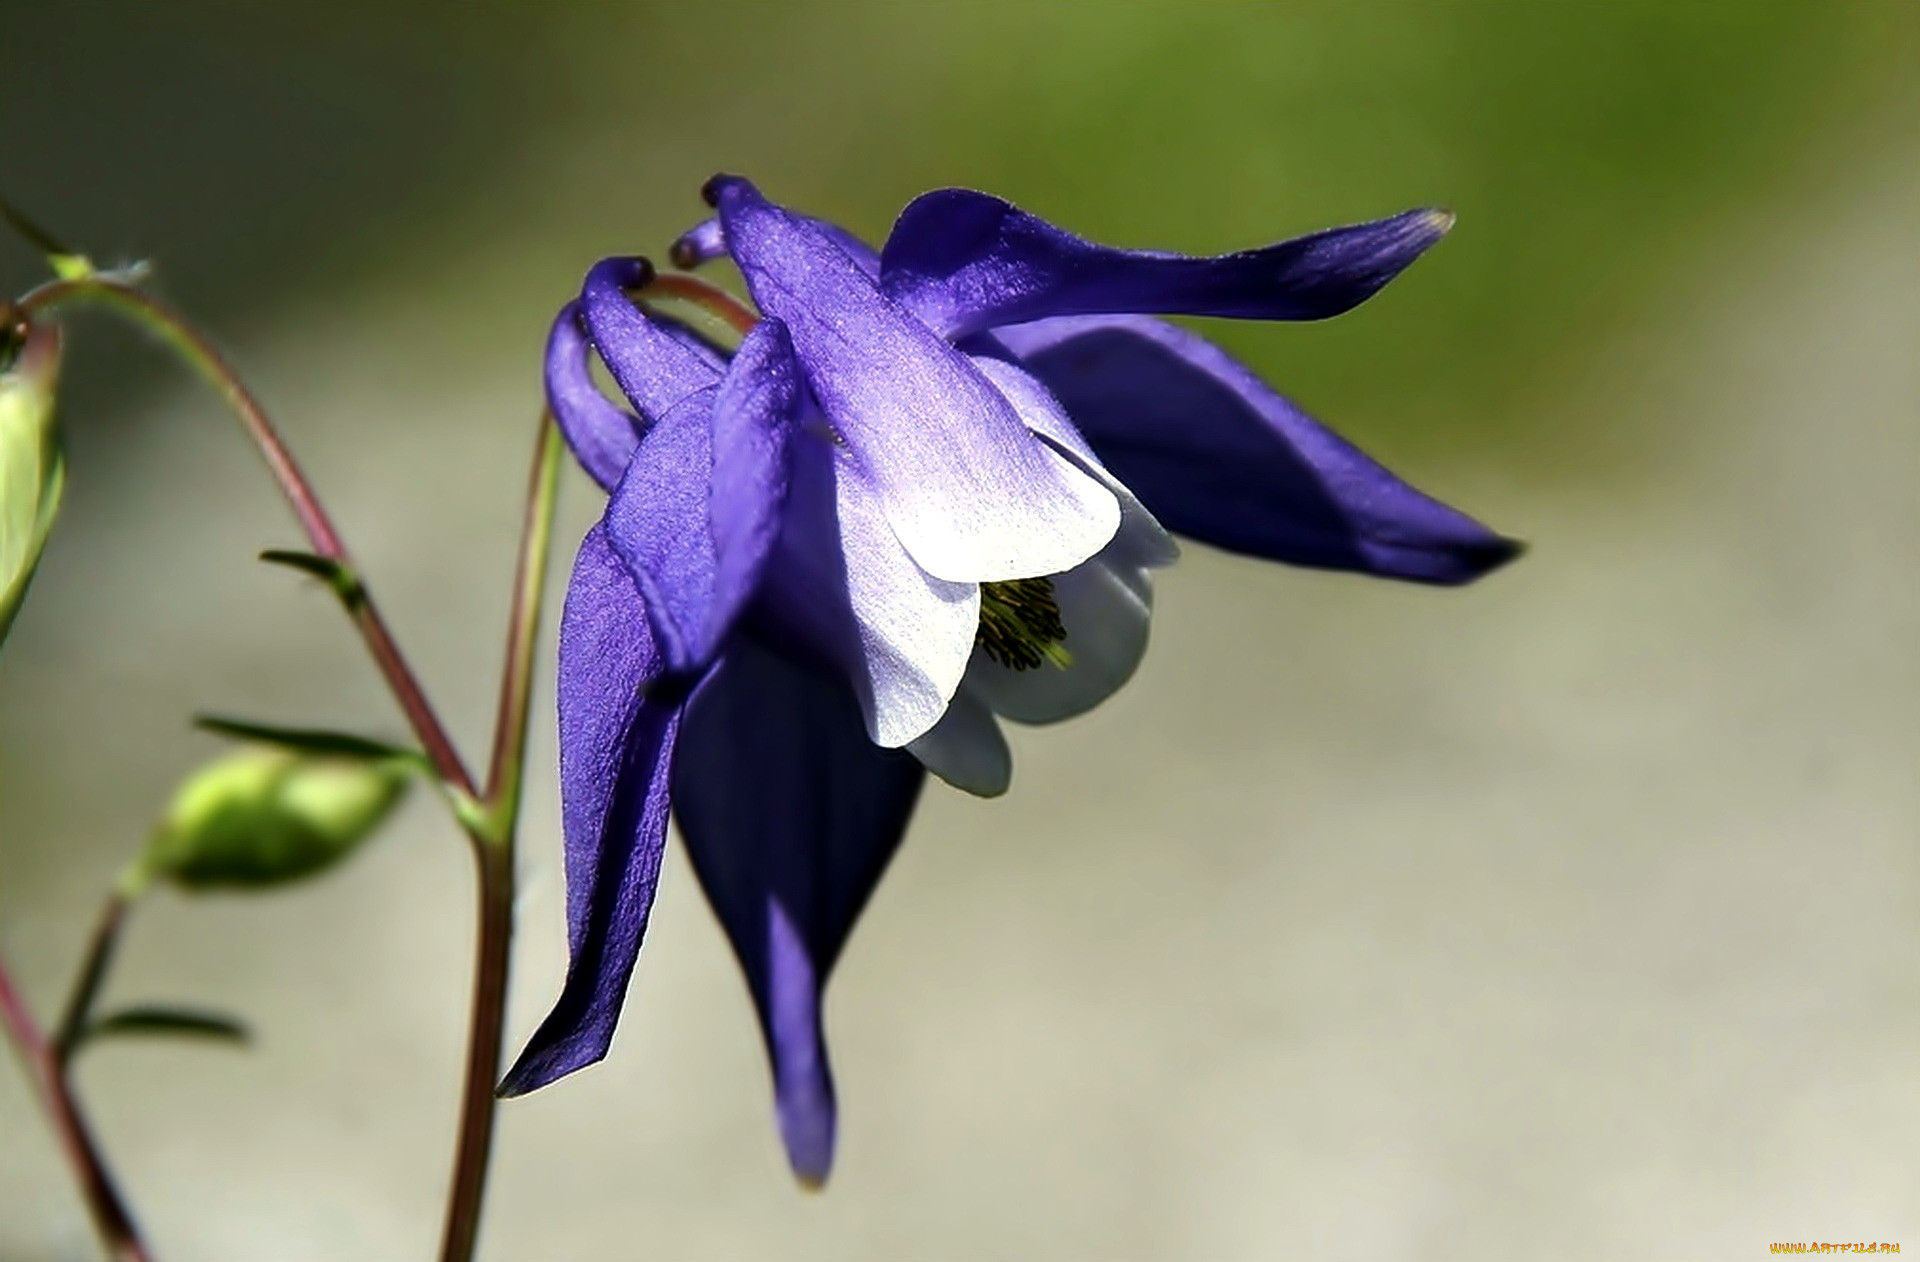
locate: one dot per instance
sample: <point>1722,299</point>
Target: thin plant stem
<point>111,1217</point>
<point>473,1148</point>
<point>529,587</point>
<point>93,973</point>
<point>489,822</point>
<point>193,347</point>
<point>493,853</point>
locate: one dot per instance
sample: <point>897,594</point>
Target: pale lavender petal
<point>967,261</point>
<point>1217,455</point>
<point>790,815</point>
<point>616,745</point>
<point>656,363</point>
<point>841,588</point>
<point>601,433</point>
<point>970,493</point>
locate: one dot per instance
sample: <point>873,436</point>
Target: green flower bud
<point>262,817</point>
<point>32,472</point>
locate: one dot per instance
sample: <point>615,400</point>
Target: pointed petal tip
<point>1473,562</point>
<point>815,1183</point>
<point>1505,551</point>
<point>1440,221</point>
<point>543,1064</point>
<point>1454,561</point>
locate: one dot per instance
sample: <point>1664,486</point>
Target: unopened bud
<point>32,472</point>
<point>266,816</point>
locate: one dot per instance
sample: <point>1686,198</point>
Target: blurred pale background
<point>1576,915</point>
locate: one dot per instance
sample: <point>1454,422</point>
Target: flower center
<point>1020,624</point>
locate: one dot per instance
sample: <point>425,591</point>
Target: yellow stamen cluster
<point>1020,624</point>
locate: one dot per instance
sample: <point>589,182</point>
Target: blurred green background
<point>1573,915</point>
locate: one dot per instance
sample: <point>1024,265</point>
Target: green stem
<point>493,853</point>
<point>93,973</point>
<point>529,585</point>
<point>193,347</point>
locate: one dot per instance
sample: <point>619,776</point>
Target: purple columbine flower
<point>924,494</point>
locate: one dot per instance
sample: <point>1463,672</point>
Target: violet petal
<point>656,365</point>
<point>1217,455</point>
<point>707,241</point>
<point>601,433</point>
<point>700,506</point>
<point>967,262</point>
<point>616,746</point>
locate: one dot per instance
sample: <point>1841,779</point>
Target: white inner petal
<point>958,523</point>
<point>1148,542</point>
<point>910,634</point>
<point>966,748</point>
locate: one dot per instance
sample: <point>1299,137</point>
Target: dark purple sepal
<point>616,748</point>
<point>790,816</point>
<point>967,262</point>
<point>1215,454</point>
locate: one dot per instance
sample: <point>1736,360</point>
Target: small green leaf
<point>32,472</point>
<point>308,740</point>
<point>154,1019</point>
<point>344,582</point>
<point>326,569</point>
<point>264,816</point>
